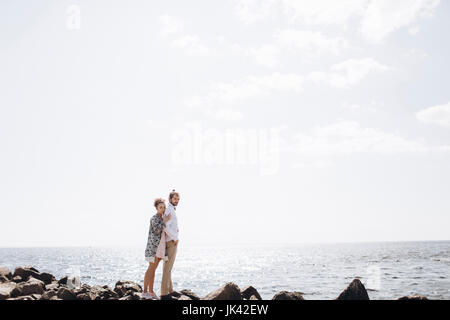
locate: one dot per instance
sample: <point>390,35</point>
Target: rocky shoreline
<point>27,283</point>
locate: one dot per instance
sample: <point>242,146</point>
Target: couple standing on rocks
<point>162,245</point>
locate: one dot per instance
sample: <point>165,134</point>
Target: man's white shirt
<point>172,224</point>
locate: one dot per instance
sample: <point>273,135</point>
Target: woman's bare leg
<point>149,278</point>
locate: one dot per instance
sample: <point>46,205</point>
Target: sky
<point>278,121</point>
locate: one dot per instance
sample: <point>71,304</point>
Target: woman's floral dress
<point>154,237</point>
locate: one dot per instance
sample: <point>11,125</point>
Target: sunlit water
<point>320,271</point>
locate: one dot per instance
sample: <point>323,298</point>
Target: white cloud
<point>228,114</point>
<point>348,73</point>
<point>376,19</point>
<point>439,115</point>
<point>170,25</point>
<point>266,55</point>
<point>250,11</point>
<point>249,87</point>
<point>324,12</point>
<point>310,43</point>
<point>342,75</point>
<point>349,137</point>
<point>385,16</point>
<point>191,45</point>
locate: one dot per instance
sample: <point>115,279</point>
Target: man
<point>171,243</point>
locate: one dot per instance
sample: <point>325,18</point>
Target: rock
<point>286,295</point>
<point>45,277</point>
<point>48,295</point>
<point>66,294</point>
<point>229,291</point>
<point>52,286</point>
<point>26,272</point>
<point>131,295</point>
<point>250,291</point>
<point>3,279</point>
<point>17,279</point>
<point>175,295</point>
<point>5,273</point>
<point>32,286</point>
<point>36,296</point>
<point>254,298</point>
<point>86,296</point>
<point>63,280</point>
<point>354,291</point>
<point>413,297</point>
<point>102,293</point>
<point>123,286</point>
<point>6,289</point>
<point>22,298</point>
<point>190,294</point>
<point>183,297</point>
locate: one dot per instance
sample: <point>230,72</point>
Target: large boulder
<point>63,280</point>
<point>122,287</point>
<point>48,295</point>
<point>229,291</point>
<point>25,272</point>
<point>5,273</point>
<point>413,297</point>
<point>32,286</point>
<point>103,292</point>
<point>66,294</point>
<point>286,295</point>
<point>45,277</point>
<point>190,294</point>
<point>174,295</point>
<point>131,295</point>
<point>354,291</point>
<point>250,291</point>
<point>52,286</point>
<point>6,289</point>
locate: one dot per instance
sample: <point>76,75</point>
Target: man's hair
<point>158,201</point>
<point>172,194</point>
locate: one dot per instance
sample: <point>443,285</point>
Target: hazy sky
<point>278,121</point>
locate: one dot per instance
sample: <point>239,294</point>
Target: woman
<point>152,253</point>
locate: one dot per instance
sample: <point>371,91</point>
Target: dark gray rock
<point>286,295</point>
<point>63,280</point>
<point>66,294</point>
<point>354,291</point>
<point>131,295</point>
<point>48,295</point>
<point>250,291</point>
<point>45,277</point>
<point>175,295</point>
<point>32,286</point>
<point>123,286</point>
<point>229,291</point>
<point>190,294</point>
<point>413,297</point>
<point>26,272</point>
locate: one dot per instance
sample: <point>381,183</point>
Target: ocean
<point>389,270</point>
